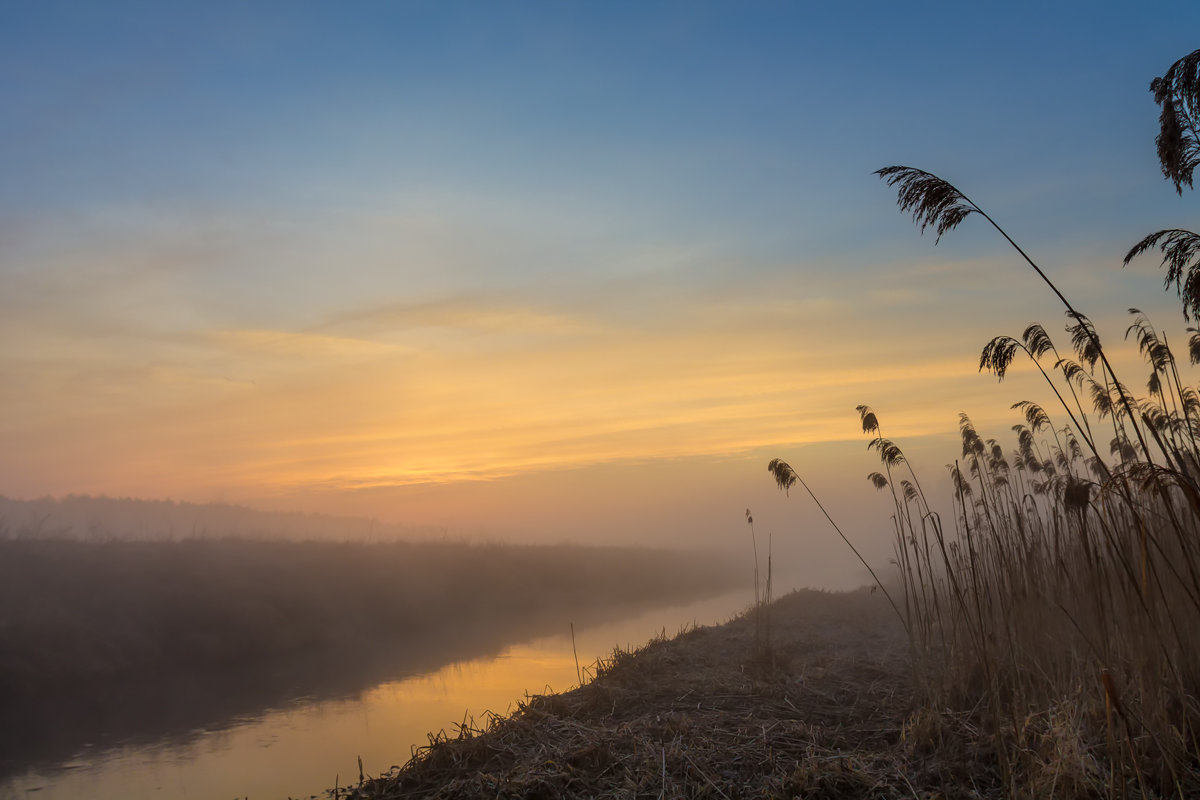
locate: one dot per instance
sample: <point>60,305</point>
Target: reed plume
<point>1181,257</point>
<point>1069,587</point>
<point>785,478</point>
<point>1177,93</point>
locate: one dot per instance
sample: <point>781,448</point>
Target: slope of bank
<point>708,714</point>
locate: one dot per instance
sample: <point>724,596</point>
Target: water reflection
<point>313,733</point>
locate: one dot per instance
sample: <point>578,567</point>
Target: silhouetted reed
<point>761,610</point>
<point>785,478</point>
<point>1057,624</point>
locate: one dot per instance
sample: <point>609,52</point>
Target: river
<point>302,747</point>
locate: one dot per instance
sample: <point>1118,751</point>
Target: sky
<point>552,271</point>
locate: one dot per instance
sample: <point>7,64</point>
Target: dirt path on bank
<point>707,715</point>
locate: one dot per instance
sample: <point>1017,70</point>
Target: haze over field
<point>547,272</point>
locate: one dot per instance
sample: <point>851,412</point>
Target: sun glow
<point>376,399</point>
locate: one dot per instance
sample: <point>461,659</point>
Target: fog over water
<point>295,737</point>
<point>116,649</point>
<point>809,554</point>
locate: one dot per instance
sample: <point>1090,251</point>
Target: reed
<point>761,610</point>
<point>1058,622</point>
<point>758,597</point>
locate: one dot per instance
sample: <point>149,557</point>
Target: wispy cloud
<point>481,387</point>
<point>281,344</point>
<point>466,313</point>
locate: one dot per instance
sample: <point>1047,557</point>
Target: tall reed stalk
<point>1058,623</point>
<point>762,595</point>
<point>758,596</point>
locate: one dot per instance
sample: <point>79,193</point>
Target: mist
<point>686,504</point>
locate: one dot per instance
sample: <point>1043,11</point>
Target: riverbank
<point>709,714</point>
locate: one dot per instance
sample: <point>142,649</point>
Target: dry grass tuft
<point>699,716</point>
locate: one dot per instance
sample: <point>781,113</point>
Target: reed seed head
<point>785,476</point>
<point>932,201</point>
<point>997,355</point>
<point>1180,251</point>
<point>1178,95</point>
<point>870,424</point>
<point>1037,341</point>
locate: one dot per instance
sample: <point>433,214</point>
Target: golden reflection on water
<point>301,750</point>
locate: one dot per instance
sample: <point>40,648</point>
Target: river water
<point>303,747</point>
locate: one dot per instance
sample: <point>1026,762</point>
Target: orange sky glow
<point>549,279</point>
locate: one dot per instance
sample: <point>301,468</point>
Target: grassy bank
<point>706,715</point>
<point>832,711</point>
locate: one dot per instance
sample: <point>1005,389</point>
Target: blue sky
<point>684,112</point>
<point>262,224</point>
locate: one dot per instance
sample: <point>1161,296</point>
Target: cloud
<point>289,345</point>
<point>201,378</point>
<point>463,313</point>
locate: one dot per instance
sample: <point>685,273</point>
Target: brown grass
<point>1058,615</point>
<point>703,715</point>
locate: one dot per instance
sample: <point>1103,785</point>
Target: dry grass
<point>1060,609</point>
<point>836,714</point>
<point>1057,617</point>
<point>702,716</point>
<point>1056,622</point>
